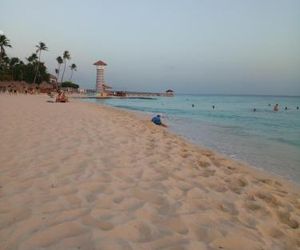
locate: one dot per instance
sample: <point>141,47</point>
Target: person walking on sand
<point>276,108</point>
<point>157,121</point>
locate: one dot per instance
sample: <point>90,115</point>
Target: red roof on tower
<point>100,63</point>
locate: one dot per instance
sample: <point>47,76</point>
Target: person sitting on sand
<point>157,121</point>
<point>58,96</point>
<point>61,97</point>
<point>276,108</point>
<point>50,94</point>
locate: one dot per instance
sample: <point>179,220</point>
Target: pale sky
<point>191,46</point>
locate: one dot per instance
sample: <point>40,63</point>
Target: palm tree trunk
<point>1,55</point>
<point>37,67</point>
<point>59,65</point>
<point>71,75</point>
<point>57,76</point>
<point>62,77</point>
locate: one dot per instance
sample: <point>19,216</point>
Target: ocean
<point>264,138</point>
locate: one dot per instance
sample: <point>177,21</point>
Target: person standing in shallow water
<point>276,108</point>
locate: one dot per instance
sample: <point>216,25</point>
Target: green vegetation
<point>40,47</point>
<point>69,84</point>
<point>59,62</point>
<point>33,70</point>
<point>66,56</point>
<point>73,68</point>
<point>4,42</point>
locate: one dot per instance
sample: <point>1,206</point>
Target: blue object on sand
<point>156,120</point>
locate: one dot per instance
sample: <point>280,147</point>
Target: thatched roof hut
<point>169,92</point>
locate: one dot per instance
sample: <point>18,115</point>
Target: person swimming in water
<point>276,108</point>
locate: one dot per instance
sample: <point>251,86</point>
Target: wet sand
<point>84,176</point>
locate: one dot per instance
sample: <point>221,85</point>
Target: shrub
<point>69,85</point>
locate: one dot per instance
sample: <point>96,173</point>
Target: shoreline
<point>146,115</point>
<point>143,116</point>
<point>89,175</point>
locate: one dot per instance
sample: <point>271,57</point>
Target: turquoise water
<point>265,139</point>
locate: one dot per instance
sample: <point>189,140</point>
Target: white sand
<point>82,176</point>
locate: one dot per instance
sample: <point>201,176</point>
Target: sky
<point>190,46</point>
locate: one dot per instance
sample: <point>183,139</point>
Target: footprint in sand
<point>137,231</point>
<point>267,197</point>
<point>118,199</point>
<point>229,170</point>
<point>203,163</point>
<point>91,221</point>
<point>208,173</point>
<point>228,207</point>
<point>176,224</point>
<point>285,218</point>
<point>275,233</point>
<point>115,244</point>
<point>236,185</point>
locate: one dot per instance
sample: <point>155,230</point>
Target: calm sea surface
<point>265,139</point>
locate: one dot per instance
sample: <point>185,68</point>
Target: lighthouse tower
<point>100,85</point>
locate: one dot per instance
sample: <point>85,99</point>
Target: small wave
<point>286,141</point>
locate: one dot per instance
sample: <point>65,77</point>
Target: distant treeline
<point>33,70</point>
<point>69,85</point>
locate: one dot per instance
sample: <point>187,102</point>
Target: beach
<point>264,139</point>
<point>84,176</point>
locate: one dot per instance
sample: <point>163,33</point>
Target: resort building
<point>101,87</point>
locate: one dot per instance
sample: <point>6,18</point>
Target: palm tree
<point>66,57</point>
<point>4,42</point>
<point>57,71</point>
<point>32,58</point>
<point>12,64</point>
<point>19,70</point>
<point>5,61</point>
<point>73,68</point>
<point>40,47</point>
<point>29,72</point>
